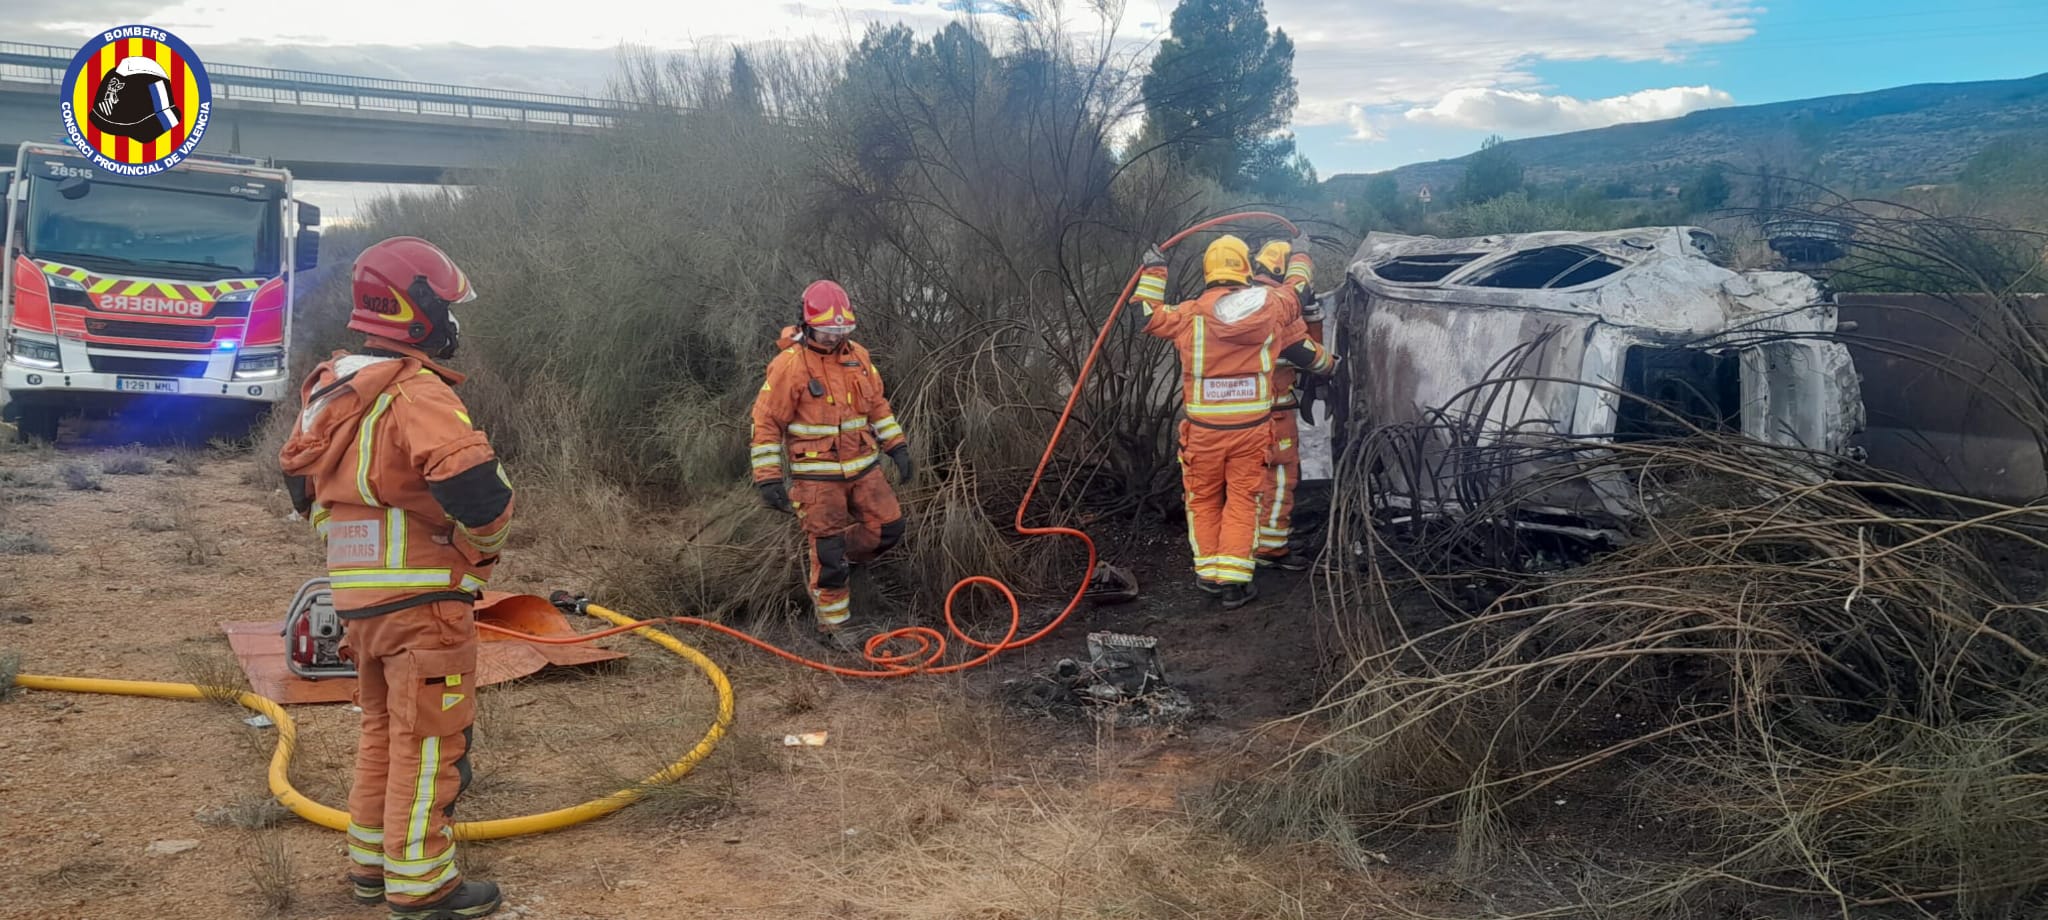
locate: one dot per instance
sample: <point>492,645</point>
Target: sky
<point>1382,83</point>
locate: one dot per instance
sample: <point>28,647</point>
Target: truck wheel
<point>37,423</point>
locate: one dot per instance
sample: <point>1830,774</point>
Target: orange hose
<point>930,643</point>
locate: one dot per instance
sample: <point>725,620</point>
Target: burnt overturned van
<point>1487,353</point>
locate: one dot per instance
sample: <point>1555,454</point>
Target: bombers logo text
<point>136,100</point>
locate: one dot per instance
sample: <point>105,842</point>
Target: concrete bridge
<point>325,126</point>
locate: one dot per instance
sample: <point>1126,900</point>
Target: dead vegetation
<point>79,477</point>
<point>1831,678</point>
<point>10,668</point>
<point>271,871</point>
<point>1050,852</point>
<point>249,813</point>
<point>214,670</point>
<point>128,461</point>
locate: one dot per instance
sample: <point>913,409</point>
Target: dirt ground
<point>931,797</point>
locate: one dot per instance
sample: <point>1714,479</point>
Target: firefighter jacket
<point>1230,339</point>
<point>822,415</point>
<point>1301,303</point>
<point>406,492</point>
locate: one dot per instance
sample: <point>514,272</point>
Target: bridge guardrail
<point>31,63</point>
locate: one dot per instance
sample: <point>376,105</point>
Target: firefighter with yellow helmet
<point>1229,339</point>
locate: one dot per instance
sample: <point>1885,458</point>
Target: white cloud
<point>1362,128</point>
<point>537,45</point>
<point>1521,112</point>
<point>1393,55</point>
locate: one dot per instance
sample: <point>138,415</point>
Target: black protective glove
<point>1153,257</point>
<point>904,465</point>
<point>775,495</point>
<point>1306,405</point>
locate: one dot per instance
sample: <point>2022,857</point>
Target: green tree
<point>743,86</point>
<point>1705,192</point>
<point>2007,164</point>
<point>1220,88</point>
<point>1490,173</point>
<point>1383,194</point>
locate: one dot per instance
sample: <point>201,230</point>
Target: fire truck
<point>166,296</point>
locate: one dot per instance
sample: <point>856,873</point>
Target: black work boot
<point>1292,562</point>
<point>1210,588</point>
<point>366,889</point>
<point>469,899</point>
<point>1235,596</point>
<point>851,635</point>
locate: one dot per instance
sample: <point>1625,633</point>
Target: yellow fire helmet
<point>1273,257</point>
<point>1227,259</point>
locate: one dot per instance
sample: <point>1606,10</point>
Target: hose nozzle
<point>570,603</point>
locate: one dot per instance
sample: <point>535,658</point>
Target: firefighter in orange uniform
<point>822,416</point>
<point>1229,338</point>
<point>414,510</point>
<point>1285,267</point>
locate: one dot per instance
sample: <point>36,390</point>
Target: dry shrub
<point>80,478</point>
<point>128,461</point>
<point>271,871</point>
<point>216,673</point>
<point>1832,681</point>
<point>248,812</point>
<point>10,668</point>
<point>16,543</point>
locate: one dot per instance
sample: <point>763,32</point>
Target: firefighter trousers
<point>1224,473</point>
<point>848,521</point>
<point>416,684</point>
<point>1276,521</point>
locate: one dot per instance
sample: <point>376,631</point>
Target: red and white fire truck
<point>167,296</point>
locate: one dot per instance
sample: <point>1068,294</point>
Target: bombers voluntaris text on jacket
<point>407,493</point>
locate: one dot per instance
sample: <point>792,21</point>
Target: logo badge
<point>136,100</point>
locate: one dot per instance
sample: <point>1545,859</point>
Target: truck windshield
<point>153,231</point>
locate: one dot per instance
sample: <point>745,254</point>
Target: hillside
<point>1884,139</point>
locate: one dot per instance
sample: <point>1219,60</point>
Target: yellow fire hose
<point>336,819</point>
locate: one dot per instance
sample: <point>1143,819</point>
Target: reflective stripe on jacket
<point>1296,288</point>
<point>1228,339</point>
<point>821,415</point>
<point>406,492</point>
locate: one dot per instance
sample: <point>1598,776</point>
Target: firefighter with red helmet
<point>822,420</point>
<point>414,509</point>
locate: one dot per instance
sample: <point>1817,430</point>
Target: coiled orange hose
<point>930,644</point>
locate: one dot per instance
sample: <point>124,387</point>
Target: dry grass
<point>183,463</point>
<point>249,813</point>
<point>198,544</point>
<point>78,477</point>
<point>17,543</point>
<point>156,522</point>
<point>216,673</point>
<point>1055,853</point>
<point>26,479</point>
<point>271,870</point>
<point>10,668</point>
<point>1830,679</point>
<point>128,461</point>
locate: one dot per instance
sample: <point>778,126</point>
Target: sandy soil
<point>931,798</point>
